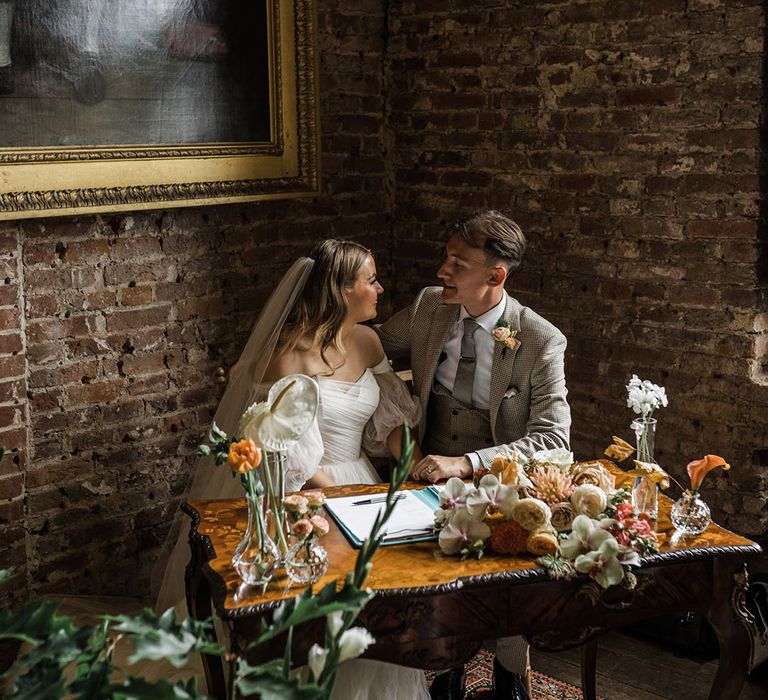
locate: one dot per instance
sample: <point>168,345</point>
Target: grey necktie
<point>465,372</point>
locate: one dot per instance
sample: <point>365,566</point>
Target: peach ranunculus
<point>296,504</point>
<point>315,499</point>
<point>320,525</point>
<point>531,514</point>
<point>244,456</point>
<point>541,542</point>
<point>302,528</point>
<point>699,468</point>
<point>562,516</point>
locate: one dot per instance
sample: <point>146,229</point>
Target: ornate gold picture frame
<point>79,90</point>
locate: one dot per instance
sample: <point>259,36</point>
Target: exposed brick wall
<point>127,319</point>
<point>624,137</point>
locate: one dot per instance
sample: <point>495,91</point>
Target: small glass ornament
<point>690,515</point>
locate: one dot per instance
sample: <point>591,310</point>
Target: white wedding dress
<point>352,415</point>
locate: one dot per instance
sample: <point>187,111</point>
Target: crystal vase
<point>306,562</point>
<point>645,494</point>
<point>272,472</point>
<point>256,557</point>
<point>690,515</point>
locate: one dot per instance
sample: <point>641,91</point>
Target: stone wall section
<point>128,318</point>
<point>625,139</point>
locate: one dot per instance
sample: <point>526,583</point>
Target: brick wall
<point>624,137</point>
<point>127,318</point>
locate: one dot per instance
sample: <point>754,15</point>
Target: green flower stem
<point>277,510</point>
<point>253,496</point>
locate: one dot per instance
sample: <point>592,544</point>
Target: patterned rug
<point>480,674</point>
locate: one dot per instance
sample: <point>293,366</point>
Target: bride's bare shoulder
<point>292,362</point>
<point>366,342</point>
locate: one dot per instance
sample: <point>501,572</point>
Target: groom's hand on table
<point>437,468</point>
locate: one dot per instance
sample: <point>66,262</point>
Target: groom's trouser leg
<point>513,653</point>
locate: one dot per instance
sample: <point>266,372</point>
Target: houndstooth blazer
<point>528,406</point>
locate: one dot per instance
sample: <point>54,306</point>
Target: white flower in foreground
<point>589,499</point>
<point>354,642</point>
<point>455,493</point>
<point>316,660</point>
<point>491,497</point>
<point>460,531</point>
<point>586,536</point>
<point>334,621</point>
<point>531,514</point>
<point>644,397</point>
<point>559,457</point>
<point>285,416</point>
<point>602,565</point>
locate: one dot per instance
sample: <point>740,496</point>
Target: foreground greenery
<point>54,642</point>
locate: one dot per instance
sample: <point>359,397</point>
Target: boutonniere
<point>505,336</point>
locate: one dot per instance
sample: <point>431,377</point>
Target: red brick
<point>722,229</point>
<point>138,318</point>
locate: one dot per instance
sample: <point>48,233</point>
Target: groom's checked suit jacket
<point>528,409</point>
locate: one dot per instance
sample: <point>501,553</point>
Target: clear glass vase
<point>272,473</point>
<point>306,562</point>
<point>256,557</point>
<point>690,515</point>
<point>645,494</point>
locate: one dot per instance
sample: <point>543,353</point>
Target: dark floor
<point>629,668</point>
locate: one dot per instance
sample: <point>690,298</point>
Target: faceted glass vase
<point>306,562</point>
<point>256,557</point>
<point>645,494</point>
<point>690,515</point>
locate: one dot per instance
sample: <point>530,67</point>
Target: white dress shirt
<point>484,349</point>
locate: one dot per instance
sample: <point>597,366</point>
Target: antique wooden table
<point>433,611</point>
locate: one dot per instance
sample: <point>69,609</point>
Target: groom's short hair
<point>500,237</point>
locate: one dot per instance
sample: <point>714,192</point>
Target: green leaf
<point>34,622</point>
<point>268,683</point>
<point>203,450</point>
<point>140,689</point>
<point>6,575</point>
<point>93,684</point>
<point>45,682</point>
<point>162,637</point>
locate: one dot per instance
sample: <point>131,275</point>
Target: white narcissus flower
<point>602,565</point>
<point>589,499</point>
<point>644,397</point>
<point>354,642</point>
<point>492,497</point>
<point>586,536</point>
<point>559,457</point>
<point>285,416</point>
<point>462,529</point>
<point>316,660</point>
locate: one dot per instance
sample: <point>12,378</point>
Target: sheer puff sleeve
<point>396,406</point>
<point>303,459</point>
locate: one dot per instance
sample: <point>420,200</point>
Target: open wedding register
<point>411,520</point>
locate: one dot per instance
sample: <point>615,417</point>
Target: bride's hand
<point>436,468</point>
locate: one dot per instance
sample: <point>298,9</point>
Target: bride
<point>311,325</point>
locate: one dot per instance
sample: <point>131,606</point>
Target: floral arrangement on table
<point>567,513</point>
<point>306,561</point>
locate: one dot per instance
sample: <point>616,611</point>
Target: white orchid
<point>462,531</point>
<point>559,457</point>
<point>354,642</point>
<point>454,494</point>
<point>491,496</point>
<point>586,536</point>
<point>285,416</point>
<point>603,564</point>
<point>316,660</point>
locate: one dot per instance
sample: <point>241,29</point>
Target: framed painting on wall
<point>139,104</point>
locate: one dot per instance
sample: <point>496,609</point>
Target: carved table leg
<point>199,606</point>
<point>730,619</point>
<point>588,669</point>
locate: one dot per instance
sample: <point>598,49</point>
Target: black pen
<point>370,501</point>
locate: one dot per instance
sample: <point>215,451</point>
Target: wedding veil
<point>207,480</point>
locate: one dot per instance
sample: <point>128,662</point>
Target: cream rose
<point>531,514</point>
<point>562,516</point>
<point>589,499</point>
<point>541,542</point>
<point>559,457</point>
<point>593,473</point>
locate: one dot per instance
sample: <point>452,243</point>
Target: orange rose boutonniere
<point>505,337</point>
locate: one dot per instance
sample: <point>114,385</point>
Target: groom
<point>478,396</point>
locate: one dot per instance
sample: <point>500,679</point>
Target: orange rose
<point>699,468</point>
<point>505,469</point>
<point>244,456</point>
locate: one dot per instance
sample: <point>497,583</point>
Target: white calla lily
<point>316,660</point>
<point>354,642</point>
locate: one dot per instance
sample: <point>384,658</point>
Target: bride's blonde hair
<point>319,313</point>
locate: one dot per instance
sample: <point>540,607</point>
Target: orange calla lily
<point>243,456</point>
<point>619,450</point>
<point>699,468</point>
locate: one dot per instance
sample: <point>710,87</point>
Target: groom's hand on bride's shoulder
<point>437,468</point>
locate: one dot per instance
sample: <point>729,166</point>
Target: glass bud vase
<point>272,472</point>
<point>690,515</point>
<point>306,562</point>
<point>645,494</point>
<point>256,557</point>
